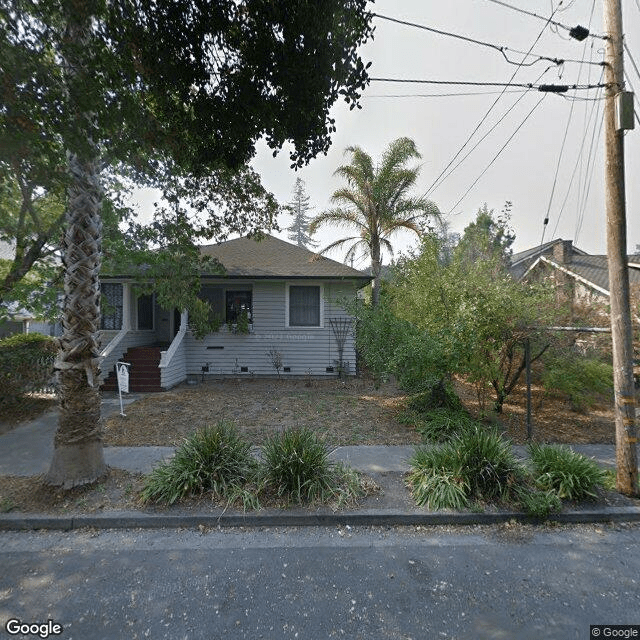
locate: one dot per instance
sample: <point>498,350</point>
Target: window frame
<point>114,314</point>
<point>320,287</point>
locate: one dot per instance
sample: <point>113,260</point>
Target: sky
<point>535,158</point>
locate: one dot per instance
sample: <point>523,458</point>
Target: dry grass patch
<point>344,413</point>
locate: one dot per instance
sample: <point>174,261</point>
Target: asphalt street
<point>499,582</point>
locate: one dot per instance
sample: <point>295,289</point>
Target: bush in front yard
<point>296,467</point>
<point>26,364</point>
<point>577,378</point>
<point>570,475</point>
<point>215,459</point>
<point>476,463</point>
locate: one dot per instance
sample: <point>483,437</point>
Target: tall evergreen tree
<point>298,208</point>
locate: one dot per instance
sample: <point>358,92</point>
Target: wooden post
<point>626,455</point>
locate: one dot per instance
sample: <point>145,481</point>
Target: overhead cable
<point>547,88</point>
<point>578,32</point>
<point>504,146</point>
<point>501,49</point>
<point>483,119</point>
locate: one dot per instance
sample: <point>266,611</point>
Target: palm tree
<point>376,204</point>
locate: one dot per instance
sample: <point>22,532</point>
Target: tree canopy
<point>298,231</point>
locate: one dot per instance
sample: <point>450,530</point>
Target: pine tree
<point>298,207</point>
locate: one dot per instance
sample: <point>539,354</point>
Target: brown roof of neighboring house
<point>592,270</point>
<point>521,261</point>
<point>270,257</point>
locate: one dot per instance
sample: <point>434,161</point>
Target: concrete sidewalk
<point>27,451</point>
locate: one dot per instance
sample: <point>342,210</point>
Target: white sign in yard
<point>122,373</point>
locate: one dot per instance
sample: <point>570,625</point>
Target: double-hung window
<point>305,306</point>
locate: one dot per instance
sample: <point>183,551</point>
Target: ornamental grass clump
<point>477,463</point>
<point>570,475</point>
<point>214,459</point>
<point>296,466</point>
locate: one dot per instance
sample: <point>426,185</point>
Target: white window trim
<point>303,283</point>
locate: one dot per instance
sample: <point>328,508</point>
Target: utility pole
<point>621,331</point>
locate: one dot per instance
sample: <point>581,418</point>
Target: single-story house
<point>280,313</point>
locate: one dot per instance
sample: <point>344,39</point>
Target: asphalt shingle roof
<point>271,257</point>
<point>594,269</point>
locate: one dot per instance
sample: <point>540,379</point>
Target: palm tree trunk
<point>78,456</point>
<point>376,268</point>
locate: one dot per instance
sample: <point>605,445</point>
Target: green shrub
<point>214,459</point>
<point>477,462</point>
<point>442,424</point>
<point>578,379</point>
<point>438,395</point>
<point>296,466</point>
<point>437,479</point>
<point>26,364</point>
<point>570,475</point>
<point>536,502</point>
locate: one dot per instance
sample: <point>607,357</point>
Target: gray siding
<point>304,350</point>
<point>176,371</point>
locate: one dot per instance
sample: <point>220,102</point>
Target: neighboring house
<point>278,303</point>
<point>584,277</point>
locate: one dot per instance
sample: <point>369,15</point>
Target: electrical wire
<point>548,20</point>
<point>528,85</point>
<point>441,95</point>
<point>591,156</point>
<point>498,121</point>
<point>635,113</point>
<point>578,162</point>
<point>566,132</point>
<point>482,120</point>
<point>633,62</point>
<point>504,146</point>
<point>500,49</point>
<point>588,184</point>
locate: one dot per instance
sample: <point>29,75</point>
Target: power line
<point>441,95</point>
<point>483,119</point>
<point>635,113</point>
<point>500,49</point>
<point>499,120</point>
<point>577,32</point>
<point>548,88</point>
<point>566,132</point>
<point>504,146</point>
<point>633,62</point>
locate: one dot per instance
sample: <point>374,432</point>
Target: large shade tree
<point>376,204</point>
<point>168,90</point>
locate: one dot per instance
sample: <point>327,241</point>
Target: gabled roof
<point>591,270</point>
<point>521,261</point>
<point>270,257</point>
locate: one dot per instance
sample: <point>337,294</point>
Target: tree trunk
<point>78,456</point>
<point>376,268</point>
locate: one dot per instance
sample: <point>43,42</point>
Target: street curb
<point>137,520</point>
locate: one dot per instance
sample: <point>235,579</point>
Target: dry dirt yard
<point>345,413</point>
